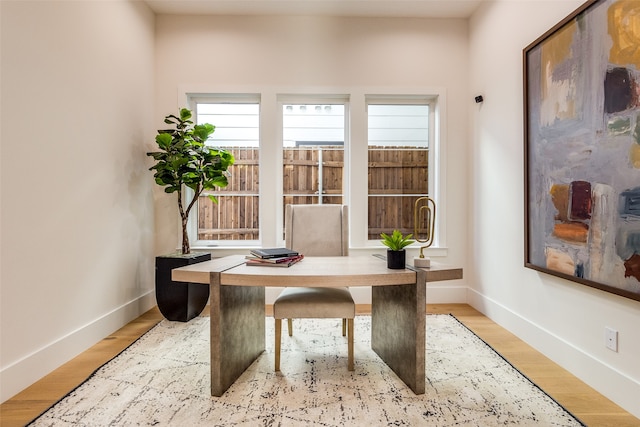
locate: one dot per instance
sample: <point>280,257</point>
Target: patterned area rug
<point>163,380</point>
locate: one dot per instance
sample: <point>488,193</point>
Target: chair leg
<point>290,326</point>
<point>350,345</point>
<point>278,339</point>
<point>344,327</point>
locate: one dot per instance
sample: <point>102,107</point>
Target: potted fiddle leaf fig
<point>396,254</point>
<point>183,160</point>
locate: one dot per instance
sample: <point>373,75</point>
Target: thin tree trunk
<point>184,216</point>
<point>186,249</point>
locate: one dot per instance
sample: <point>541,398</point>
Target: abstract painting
<point>582,148</point>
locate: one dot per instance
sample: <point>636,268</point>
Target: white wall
<point>77,207</point>
<point>562,319</point>
<point>277,54</point>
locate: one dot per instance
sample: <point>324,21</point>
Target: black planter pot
<point>396,259</point>
<point>180,301</point>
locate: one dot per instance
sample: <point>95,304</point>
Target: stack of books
<point>273,257</point>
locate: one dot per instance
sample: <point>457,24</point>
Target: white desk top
<point>311,271</point>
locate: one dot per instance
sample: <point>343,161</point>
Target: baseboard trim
<point>26,371</point>
<point>615,385</point>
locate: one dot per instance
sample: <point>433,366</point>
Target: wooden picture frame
<point>582,148</point>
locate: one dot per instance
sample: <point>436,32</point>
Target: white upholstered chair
<point>316,230</point>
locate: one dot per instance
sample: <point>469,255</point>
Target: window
<point>312,153</point>
<point>398,160</point>
<point>375,153</point>
<point>236,215</point>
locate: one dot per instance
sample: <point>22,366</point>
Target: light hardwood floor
<point>584,402</point>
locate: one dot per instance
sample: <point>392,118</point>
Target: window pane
<point>313,153</point>
<point>235,216</point>
<point>236,124</point>
<point>398,165</point>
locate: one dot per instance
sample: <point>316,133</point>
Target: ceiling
<point>361,8</point>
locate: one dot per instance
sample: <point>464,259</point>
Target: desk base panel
<point>237,331</point>
<point>398,330</point>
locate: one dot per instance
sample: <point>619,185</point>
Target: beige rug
<point>163,380</point>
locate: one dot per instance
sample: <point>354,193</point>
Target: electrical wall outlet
<point>611,339</point>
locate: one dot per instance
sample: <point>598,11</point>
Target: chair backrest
<point>317,230</point>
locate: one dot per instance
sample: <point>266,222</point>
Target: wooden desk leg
<point>237,331</point>
<point>398,333</point>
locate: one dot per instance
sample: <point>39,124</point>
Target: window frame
<point>271,100</point>
<point>431,101</point>
<point>327,98</point>
<point>192,222</point>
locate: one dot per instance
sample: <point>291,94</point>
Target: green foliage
<point>396,242</point>
<point>184,160</point>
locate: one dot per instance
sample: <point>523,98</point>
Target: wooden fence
<point>397,176</point>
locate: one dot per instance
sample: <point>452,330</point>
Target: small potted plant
<point>396,254</point>
<point>185,161</point>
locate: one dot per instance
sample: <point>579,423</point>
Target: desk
<point>237,301</point>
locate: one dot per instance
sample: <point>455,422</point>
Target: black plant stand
<point>180,301</point>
